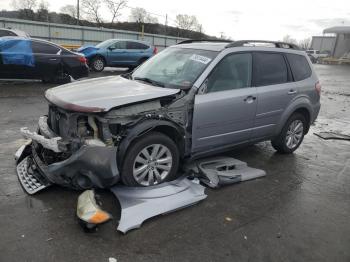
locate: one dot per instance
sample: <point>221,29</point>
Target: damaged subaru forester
<point>193,99</point>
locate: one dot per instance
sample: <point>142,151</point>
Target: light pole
<point>78,7</point>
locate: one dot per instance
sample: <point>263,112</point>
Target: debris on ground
<point>141,203</point>
<point>332,135</point>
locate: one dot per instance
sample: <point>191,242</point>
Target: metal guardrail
<point>81,35</point>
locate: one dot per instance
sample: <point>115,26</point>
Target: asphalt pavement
<point>299,212</point>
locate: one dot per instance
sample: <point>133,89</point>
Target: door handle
<point>292,92</point>
<point>249,99</point>
<point>53,59</point>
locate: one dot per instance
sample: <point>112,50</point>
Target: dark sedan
<point>28,58</point>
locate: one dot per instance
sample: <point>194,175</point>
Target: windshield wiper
<point>150,81</point>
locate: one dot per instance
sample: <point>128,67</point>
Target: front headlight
<point>89,211</point>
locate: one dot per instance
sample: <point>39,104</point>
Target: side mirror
<point>111,48</point>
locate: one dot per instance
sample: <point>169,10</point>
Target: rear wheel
<point>292,134</point>
<point>97,64</point>
<point>150,160</point>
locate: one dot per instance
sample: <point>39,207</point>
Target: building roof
<point>337,30</point>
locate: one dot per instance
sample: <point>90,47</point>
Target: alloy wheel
<point>294,134</point>
<point>152,165</point>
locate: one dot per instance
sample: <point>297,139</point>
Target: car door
<point>117,54</point>
<point>224,113</point>
<point>275,91</point>
<point>47,59</point>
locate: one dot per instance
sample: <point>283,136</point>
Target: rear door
<point>224,114</point>
<point>136,51</point>
<point>47,59</point>
<point>275,91</point>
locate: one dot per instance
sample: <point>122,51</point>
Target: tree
<point>92,9</point>
<point>24,4</point>
<point>115,6</point>
<point>43,11</point>
<point>140,15</point>
<point>305,43</point>
<point>188,22</point>
<point>289,39</point>
<point>70,10</point>
<point>25,7</point>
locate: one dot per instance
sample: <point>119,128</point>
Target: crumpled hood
<point>87,50</point>
<point>103,93</point>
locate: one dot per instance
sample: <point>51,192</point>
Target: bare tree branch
<point>140,15</point>
<point>115,6</point>
<point>70,10</point>
<point>24,4</point>
<point>188,22</point>
<point>92,9</point>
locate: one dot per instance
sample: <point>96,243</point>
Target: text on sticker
<point>200,59</point>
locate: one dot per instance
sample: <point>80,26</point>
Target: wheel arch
<point>170,129</point>
<point>301,106</point>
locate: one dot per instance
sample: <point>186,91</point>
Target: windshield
<point>175,67</point>
<point>105,43</point>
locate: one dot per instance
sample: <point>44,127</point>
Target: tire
<point>147,171</point>
<point>291,135</point>
<point>97,64</point>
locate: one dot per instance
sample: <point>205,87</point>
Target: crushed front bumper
<point>88,167</point>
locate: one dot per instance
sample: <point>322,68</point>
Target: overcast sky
<point>254,19</point>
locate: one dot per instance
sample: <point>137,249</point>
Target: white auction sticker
<point>200,59</point>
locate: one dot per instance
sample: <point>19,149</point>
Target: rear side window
<point>300,66</point>
<point>43,48</point>
<point>136,45</point>
<point>270,69</point>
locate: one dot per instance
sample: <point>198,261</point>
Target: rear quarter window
<point>136,45</point>
<point>6,33</point>
<point>299,66</point>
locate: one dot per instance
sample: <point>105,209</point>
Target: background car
<point>12,32</point>
<point>117,53</point>
<point>28,58</point>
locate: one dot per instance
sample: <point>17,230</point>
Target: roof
<point>337,30</point>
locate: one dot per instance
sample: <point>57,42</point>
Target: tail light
<point>82,59</point>
<point>155,50</point>
<point>318,87</point>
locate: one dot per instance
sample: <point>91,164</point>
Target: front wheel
<point>97,64</point>
<point>150,160</point>
<point>292,134</point>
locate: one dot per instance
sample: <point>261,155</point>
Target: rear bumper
<point>88,167</point>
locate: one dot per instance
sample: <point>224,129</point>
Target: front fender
<point>141,129</point>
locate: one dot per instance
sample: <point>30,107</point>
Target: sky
<point>254,19</point>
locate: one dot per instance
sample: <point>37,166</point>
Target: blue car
<point>117,53</point>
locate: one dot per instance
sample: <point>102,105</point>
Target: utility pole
<point>166,23</point>
<point>78,12</point>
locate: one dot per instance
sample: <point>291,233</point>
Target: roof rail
<point>189,41</point>
<point>276,43</point>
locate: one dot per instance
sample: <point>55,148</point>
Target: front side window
<point>300,66</point>
<point>232,72</point>
<point>175,67</point>
<point>118,45</point>
<point>270,69</point>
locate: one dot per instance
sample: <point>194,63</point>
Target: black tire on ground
<point>137,146</point>
<point>279,143</point>
<point>97,64</point>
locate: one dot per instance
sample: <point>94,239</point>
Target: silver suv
<point>192,99</point>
